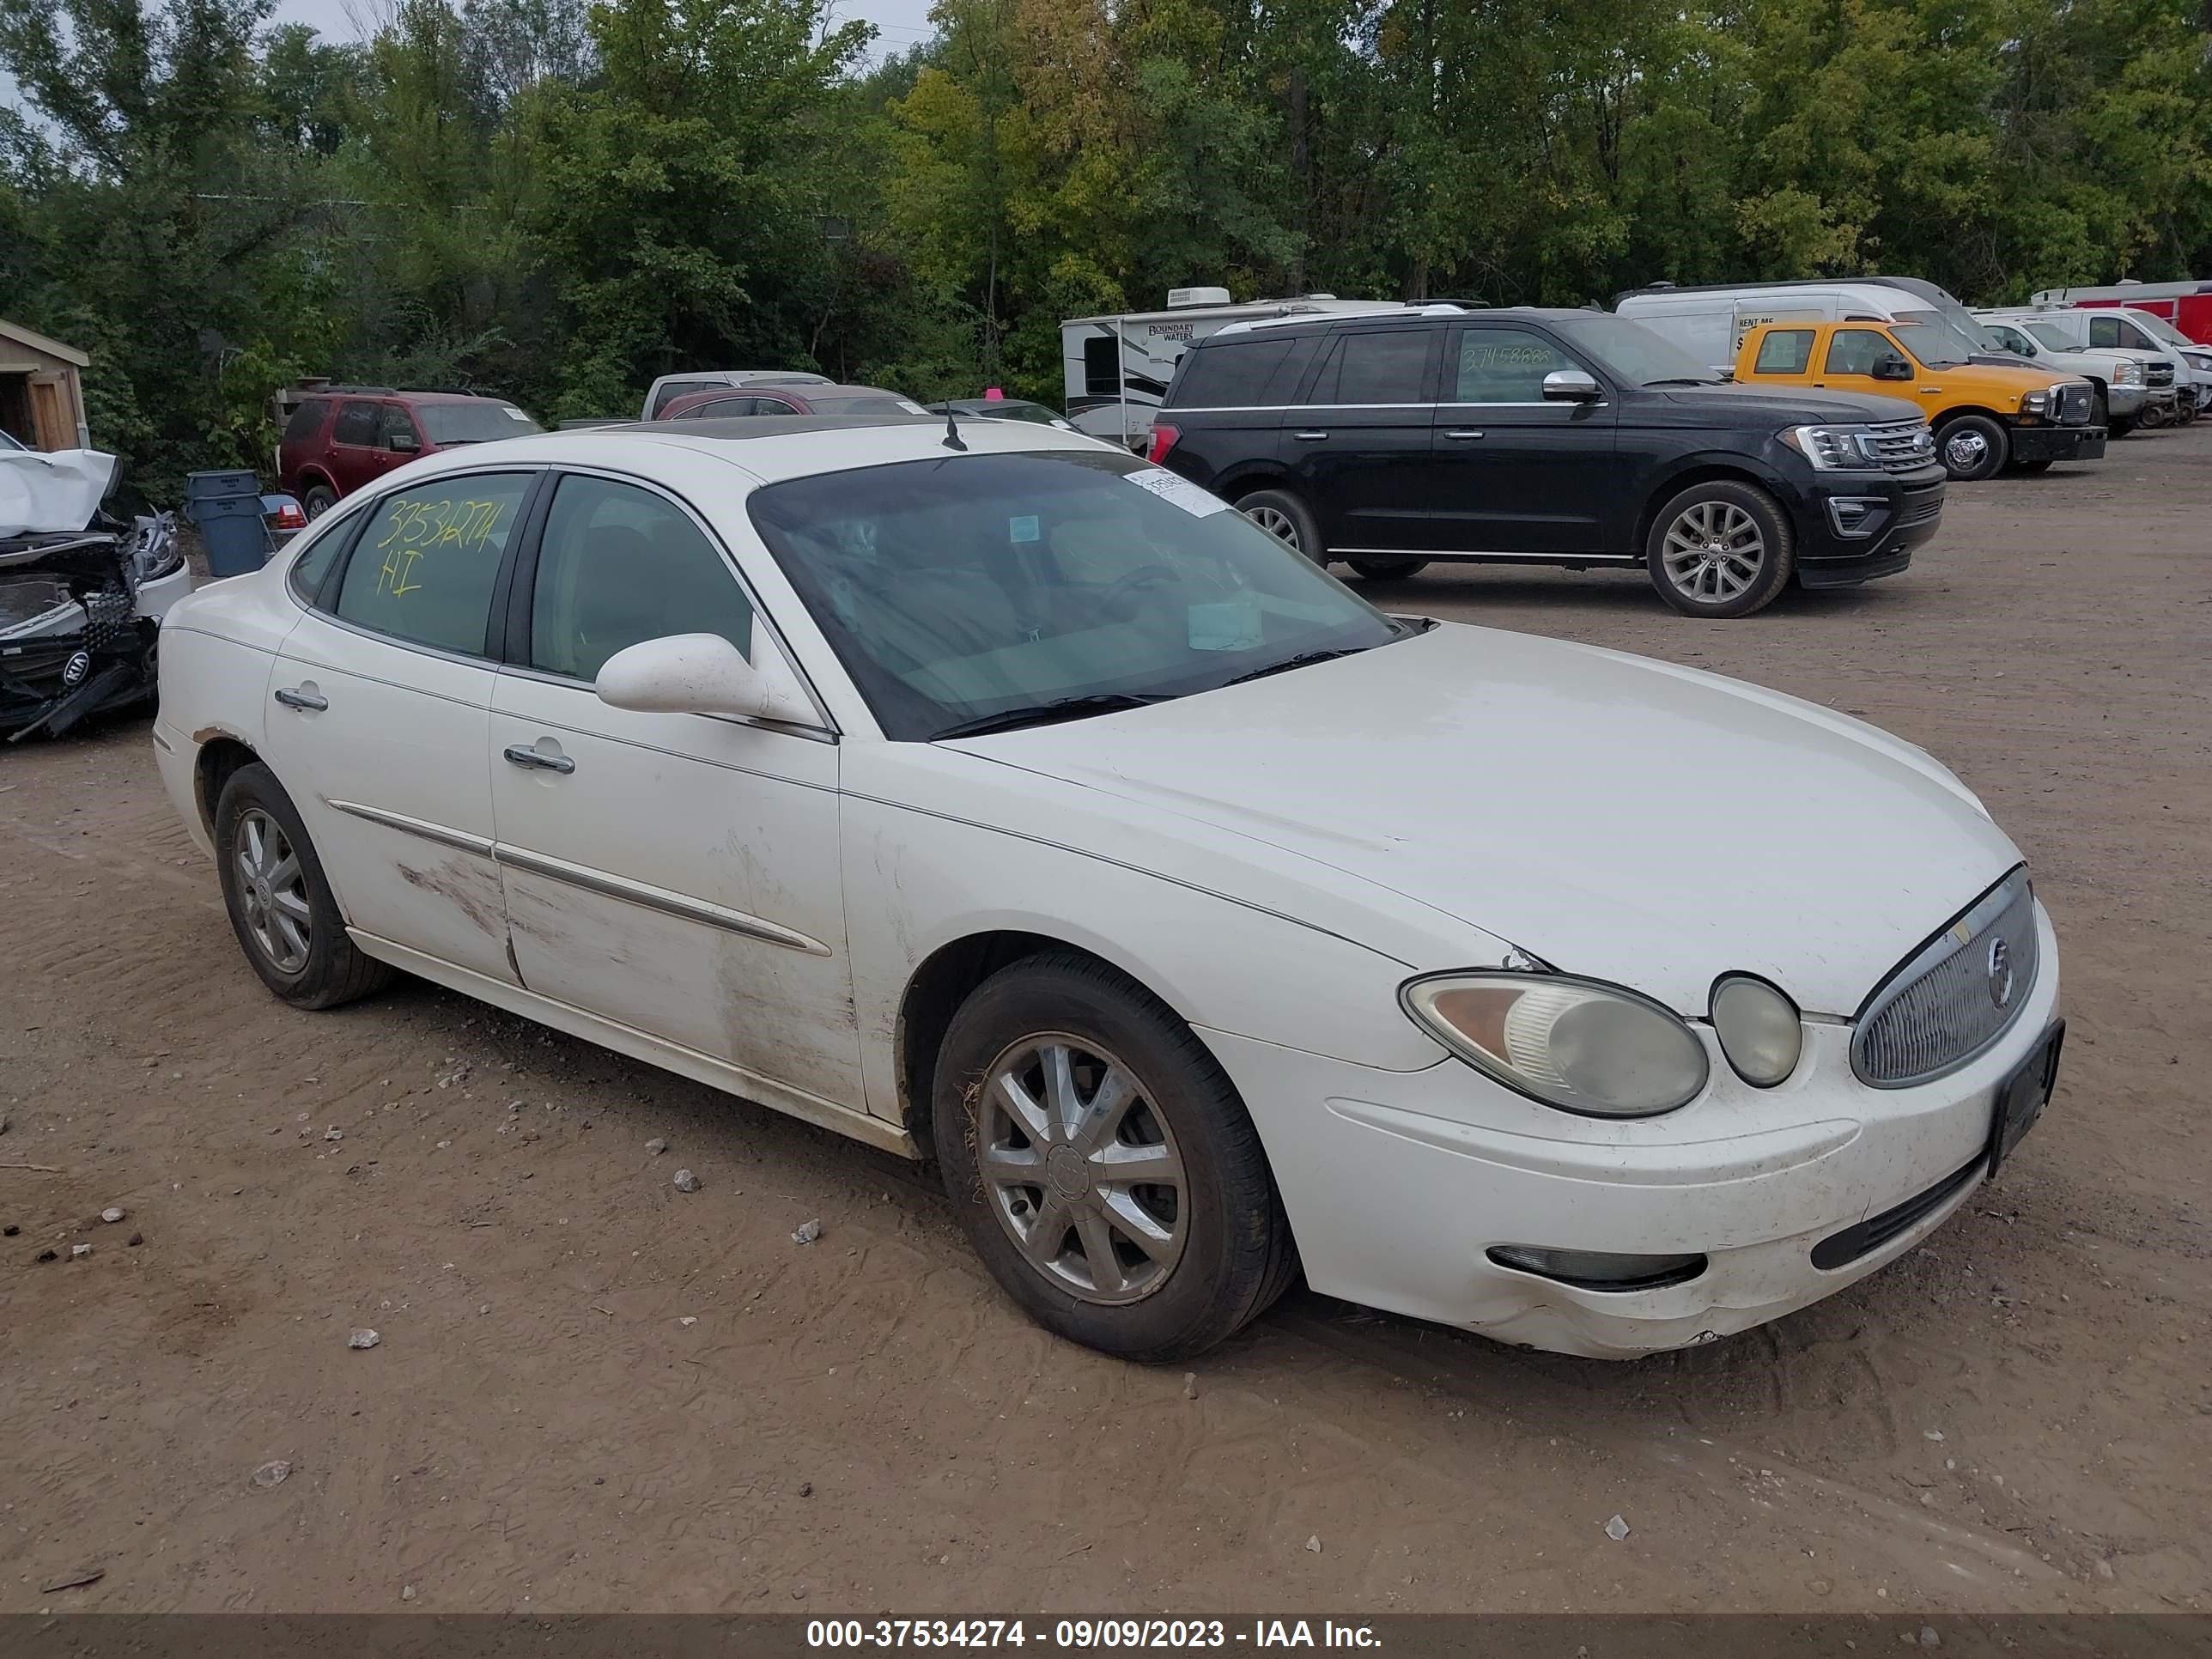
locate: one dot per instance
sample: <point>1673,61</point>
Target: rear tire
<point>1381,570</point>
<point>318,500</point>
<point>1028,1162</point>
<point>1720,549</point>
<point>1974,448</point>
<point>1288,520</point>
<point>280,905</point>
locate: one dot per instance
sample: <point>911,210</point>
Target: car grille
<point>1921,505</point>
<point>2159,373</point>
<point>2078,400</point>
<point>1898,446</point>
<point>1942,1007</point>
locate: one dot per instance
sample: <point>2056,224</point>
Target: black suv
<point>1575,438</point>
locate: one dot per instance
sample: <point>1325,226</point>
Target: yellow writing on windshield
<point>417,528</point>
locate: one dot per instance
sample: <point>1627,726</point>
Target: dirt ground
<point>593,1392</point>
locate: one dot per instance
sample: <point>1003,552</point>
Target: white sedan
<point>991,796</point>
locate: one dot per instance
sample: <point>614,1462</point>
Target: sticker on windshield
<point>1233,625</point>
<point>1022,529</point>
<point>516,414</point>
<point>1170,487</point>
<point>912,408</point>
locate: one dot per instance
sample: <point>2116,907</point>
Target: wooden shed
<point>42,389</point>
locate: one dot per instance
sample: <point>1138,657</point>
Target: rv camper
<point>1117,368</point>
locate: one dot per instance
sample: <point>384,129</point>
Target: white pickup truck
<point>2137,388</point>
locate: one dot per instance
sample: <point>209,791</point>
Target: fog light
<point>1759,1028</point>
<point>1856,516</point>
<point>1596,1270</point>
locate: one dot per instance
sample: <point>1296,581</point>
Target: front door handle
<point>1464,435</point>
<point>1309,437</point>
<point>523,755</point>
<point>294,697</point>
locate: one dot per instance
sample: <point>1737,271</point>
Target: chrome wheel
<point>1080,1170</point>
<point>272,891</point>
<point>1714,552</point>
<point>1965,452</point>
<point>1278,524</point>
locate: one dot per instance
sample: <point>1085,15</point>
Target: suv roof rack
<point>1346,319</point>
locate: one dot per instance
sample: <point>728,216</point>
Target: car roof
<point>769,447</point>
<point>747,377</point>
<point>714,394</point>
<point>1431,312</point>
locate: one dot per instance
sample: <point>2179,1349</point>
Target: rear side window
<point>1784,351</point>
<point>671,390</point>
<point>1384,366</point>
<point>356,424</point>
<point>306,421</point>
<point>423,569</point>
<point>1229,374</point>
<point>724,408</point>
<point>2118,331</point>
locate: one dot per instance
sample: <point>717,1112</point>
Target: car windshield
<point>962,590</point>
<point>1933,343</point>
<point>480,421</point>
<point>2049,336</point>
<point>873,402</point>
<point>1633,353</point>
<point>2159,329</point>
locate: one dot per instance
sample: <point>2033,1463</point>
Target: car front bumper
<point>1399,1183</point>
<point>2057,443</point>
<point>2125,402</point>
<point>1855,527</point>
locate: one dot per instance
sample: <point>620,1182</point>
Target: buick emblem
<point>75,670</point>
<point>2000,972</point>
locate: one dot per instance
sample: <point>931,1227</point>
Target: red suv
<point>345,436</point>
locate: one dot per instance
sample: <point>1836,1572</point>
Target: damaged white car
<point>987,794</point>
<point>81,594</point>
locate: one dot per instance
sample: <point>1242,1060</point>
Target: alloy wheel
<point>1081,1170</point>
<point>272,891</point>
<point>1965,452</point>
<point>1278,524</point>
<point>1714,552</point>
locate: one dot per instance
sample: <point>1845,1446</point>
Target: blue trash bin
<point>226,505</point>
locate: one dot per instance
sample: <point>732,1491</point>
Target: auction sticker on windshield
<point>1170,487</point>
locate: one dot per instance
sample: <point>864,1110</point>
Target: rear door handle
<point>1463,435</point>
<point>293,697</point>
<point>1309,437</point>
<point>523,755</point>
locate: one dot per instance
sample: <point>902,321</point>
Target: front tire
<point>1101,1165</point>
<point>1974,448</point>
<point>1720,549</point>
<point>1380,570</point>
<point>280,905</point>
<point>1288,520</point>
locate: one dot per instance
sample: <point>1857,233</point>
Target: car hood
<point>1784,405</point>
<point>1617,818</point>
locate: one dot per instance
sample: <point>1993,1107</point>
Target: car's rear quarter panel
<point>218,647</point>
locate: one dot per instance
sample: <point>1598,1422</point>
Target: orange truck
<point>1985,417</point>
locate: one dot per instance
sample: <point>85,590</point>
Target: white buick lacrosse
<point>990,796</point>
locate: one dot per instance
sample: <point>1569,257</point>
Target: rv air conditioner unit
<point>1179,297</point>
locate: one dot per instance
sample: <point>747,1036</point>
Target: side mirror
<point>1892,368</point>
<point>404,443</point>
<point>1571,385</point>
<point>703,674</point>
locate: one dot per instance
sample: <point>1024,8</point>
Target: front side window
<point>618,566</point>
<point>1785,351</point>
<point>2131,337</point>
<point>356,424</point>
<point>1506,366</point>
<point>1856,350</point>
<point>394,430</point>
<point>1933,345</point>
<point>1386,366</point>
<point>980,587</point>
<point>423,569</point>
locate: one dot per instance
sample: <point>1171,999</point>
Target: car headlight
<point>1759,1028</point>
<point>1829,448</point>
<point>2127,374</point>
<point>2034,403</point>
<point>1581,1047</point>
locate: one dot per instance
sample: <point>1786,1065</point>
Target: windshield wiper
<point>1046,714</point>
<point>1303,659</point>
<point>1686,379</point>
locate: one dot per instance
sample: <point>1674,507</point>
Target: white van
<point>1117,368</point>
<point>1710,322</point>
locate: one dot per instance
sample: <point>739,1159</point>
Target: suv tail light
<point>1165,438</point>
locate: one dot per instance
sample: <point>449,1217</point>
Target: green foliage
<point>560,200</point>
